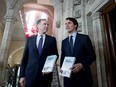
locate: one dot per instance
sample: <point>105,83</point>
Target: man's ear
<point>75,26</point>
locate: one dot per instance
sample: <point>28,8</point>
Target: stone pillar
<point>1,31</point>
<point>13,7</point>
<point>4,50</point>
<point>98,41</point>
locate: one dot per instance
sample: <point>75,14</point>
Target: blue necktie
<point>71,45</point>
<point>40,44</point>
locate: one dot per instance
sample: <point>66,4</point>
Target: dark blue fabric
<point>71,44</point>
<point>33,62</point>
<point>84,53</point>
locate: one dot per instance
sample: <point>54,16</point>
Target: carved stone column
<point>98,41</point>
<point>1,31</point>
<point>13,7</point>
<point>5,46</point>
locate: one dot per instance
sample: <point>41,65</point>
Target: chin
<point>69,31</point>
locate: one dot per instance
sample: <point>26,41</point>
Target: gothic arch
<point>15,57</point>
<point>16,5</point>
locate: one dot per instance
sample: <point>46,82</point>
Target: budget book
<point>49,63</point>
<point>66,66</point>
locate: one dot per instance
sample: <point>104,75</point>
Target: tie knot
<point>41,36</point>
<point>71,37</point>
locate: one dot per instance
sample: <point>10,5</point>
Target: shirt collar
<point>73,34</point>
<point>41,34</point>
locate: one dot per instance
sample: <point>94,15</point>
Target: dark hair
<point>73,20</point>
<point>39,21</point>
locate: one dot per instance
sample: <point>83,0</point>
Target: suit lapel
<point>35,45</point>
<point>45,44</point>
<point>68,46</point>
<point>77,41</point>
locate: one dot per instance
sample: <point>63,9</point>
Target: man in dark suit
<point>34,57</point>
<point>82,50</point>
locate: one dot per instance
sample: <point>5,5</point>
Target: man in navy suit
<point>82,50</point>
<point>33,60</point>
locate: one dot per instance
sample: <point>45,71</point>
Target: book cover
<point>66,66</point>
<point>49,63</point>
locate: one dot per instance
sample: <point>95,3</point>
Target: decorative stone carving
<point>96,16</point>
<point>77,14</point>
<point>91,1</point>
<point>11,3</point>
<point>58,23</point>
<point>86,1</point>
<point>61,0</point>
<point>77,2</point>
<point>79,27</point>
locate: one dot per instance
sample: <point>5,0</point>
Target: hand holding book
<point>66,66</point>
<point>49,64</point>
<point>77,67</point>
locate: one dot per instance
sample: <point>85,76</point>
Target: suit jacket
<point>84,53</point>
<point>33,62</point>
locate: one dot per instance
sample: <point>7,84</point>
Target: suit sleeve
<point>55,51</point>
<point>62,55</point>
<point>90,53</point>
<point>24,60</point>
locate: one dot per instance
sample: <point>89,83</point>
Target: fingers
<point>22,82</point>
<point>22,85</point>
<point>45,73</point>
<point>77,67</point>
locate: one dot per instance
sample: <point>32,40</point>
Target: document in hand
<point>66,66</point>
<point>49,63</point>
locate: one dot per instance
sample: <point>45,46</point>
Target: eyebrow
<point>46,24</point>
<point>68,22</point>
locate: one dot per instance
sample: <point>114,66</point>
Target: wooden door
<point>109,22</point>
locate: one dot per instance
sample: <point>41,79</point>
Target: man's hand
<point>22,81</point>
<point>45,73</point>
<point>77,67</point>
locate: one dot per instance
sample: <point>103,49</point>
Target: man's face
<point>43,26</point>
<point>70,27</point>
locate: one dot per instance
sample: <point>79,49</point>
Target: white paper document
<point>66,66</point>
<point>49,63</point>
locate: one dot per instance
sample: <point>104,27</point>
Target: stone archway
<point>14,58</point>
<point>14,61</point>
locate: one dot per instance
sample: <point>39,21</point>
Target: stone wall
<point>1,31</point>
<point>94,29</point>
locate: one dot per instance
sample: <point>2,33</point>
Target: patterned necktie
<point>40,44</point>
<point>71,44</point>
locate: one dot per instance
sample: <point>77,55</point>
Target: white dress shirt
<point>38,38</point>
